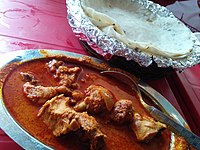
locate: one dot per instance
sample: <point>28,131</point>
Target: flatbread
<point>138,27</point>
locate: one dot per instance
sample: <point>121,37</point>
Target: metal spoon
<point>175,127</point>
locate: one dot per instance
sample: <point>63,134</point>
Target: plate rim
<point>12,128</point>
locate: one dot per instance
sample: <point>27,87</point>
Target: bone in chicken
<point>41,94</point>
<point>62,119</point>
<point>27,77</point>
<point>97,100</point>
<point>145,127</point>
<point>66,75</point>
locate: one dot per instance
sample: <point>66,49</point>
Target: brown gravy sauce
<point>25,112</point>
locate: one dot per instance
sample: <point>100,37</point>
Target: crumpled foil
<point>108,46</point>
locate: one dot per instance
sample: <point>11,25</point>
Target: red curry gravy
<point>25,112</point>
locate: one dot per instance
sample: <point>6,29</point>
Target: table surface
<point>30,24</point>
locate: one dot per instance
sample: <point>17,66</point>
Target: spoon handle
<point>190,137</point>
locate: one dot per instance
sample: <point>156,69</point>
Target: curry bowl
<point>54,99</point>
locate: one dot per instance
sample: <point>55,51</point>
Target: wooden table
<point>31,24</point>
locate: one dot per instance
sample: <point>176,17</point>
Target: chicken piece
<point>41,94</point>
<point>122,111</point>
<point>77,95</point>
<point>145,127</point>
<point>97,99</point>
<point>53,65</point>
<point>62,119</point>
<point>66,75</point>
<point>58,116</point>
<point>91,131</point>
<point>27,77</point>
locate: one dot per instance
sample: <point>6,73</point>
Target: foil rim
<point>108,46</point>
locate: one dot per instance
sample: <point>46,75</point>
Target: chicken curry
<point>67,105</point>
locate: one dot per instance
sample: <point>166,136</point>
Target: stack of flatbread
<point>140,28</point>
